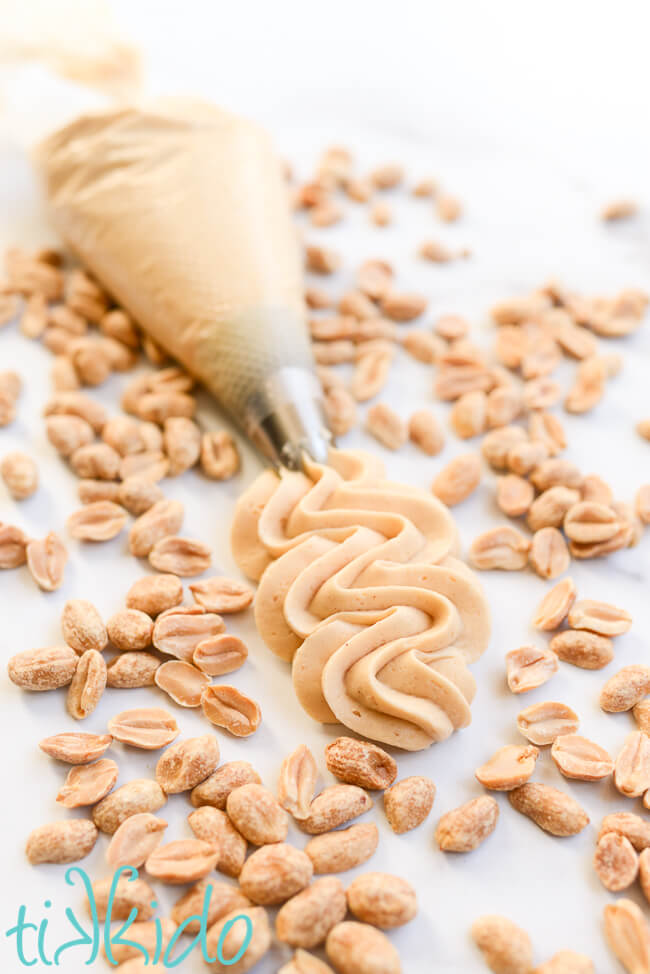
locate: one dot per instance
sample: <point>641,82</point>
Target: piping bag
<point>181,212</point>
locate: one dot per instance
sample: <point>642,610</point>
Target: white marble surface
<point>530,214</point>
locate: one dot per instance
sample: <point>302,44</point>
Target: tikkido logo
<point>30,937</point>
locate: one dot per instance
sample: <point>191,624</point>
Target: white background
<point>534,116</point>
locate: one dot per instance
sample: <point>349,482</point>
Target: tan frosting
<point>360,588</point>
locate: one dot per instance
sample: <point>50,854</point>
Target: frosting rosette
<point>361,589</point>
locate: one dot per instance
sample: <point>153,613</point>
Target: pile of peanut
<point>233,811</point>
<point>155,618</point>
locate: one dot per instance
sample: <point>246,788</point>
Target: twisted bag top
<point>360,588</point>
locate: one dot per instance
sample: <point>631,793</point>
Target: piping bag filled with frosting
<point>181,211</point>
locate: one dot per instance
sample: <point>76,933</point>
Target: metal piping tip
<point>285,420</point>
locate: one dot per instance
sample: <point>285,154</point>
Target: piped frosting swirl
<point>360,588</point>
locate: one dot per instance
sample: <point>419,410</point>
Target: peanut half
<point>506,948</point>
<point>215,789</point>
<point>149,728</point>
<point>297,782</point>
<point>61,842</point>
<point>382,900</point>
<point>87,784</point>
<point>577,757</point>
<point>408,803</point>
<point>508,768</point>
<point>186,764</point>
<point>464,828</point>
<point>343,849</point>
<point>274,873</point>
<point>529,667</point>
<point>306,919</point>
<point>551,809</point>
<point>360,763</point>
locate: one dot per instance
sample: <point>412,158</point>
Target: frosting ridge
<point>361,590</point>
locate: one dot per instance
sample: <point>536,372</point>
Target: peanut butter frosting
<point>362,591</point>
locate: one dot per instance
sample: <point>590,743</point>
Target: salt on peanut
<point>343,849</point>
<point>130,629</point>
<point>257,815</point>
<point>61,842</point>
<point>584,649</point>
<point>616,862</point>
<point>625,689</point>
<point>128,894</point>
<point>551,809</point>
<point>358,948</point>
<point>20,474</point>
<point>360,763</point>
<point>82,626</point>
<point>381,899</point>
<point>458,479</point>
<point>274,873</point>
<point>130,670</point>
<point>212,825</point>
<point>140,795</point>
<point>216,788</point>
<point>43,669</point>
<point>134,841</point>
<point>187,763</point>
<point>224,898</point>
<point>306,919</point>
<point>506,948</point>
<point>154,594</point>
<point>408,803</point>
<point>233,942</point>
<point>335,806</point>
<point>463,829</point>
